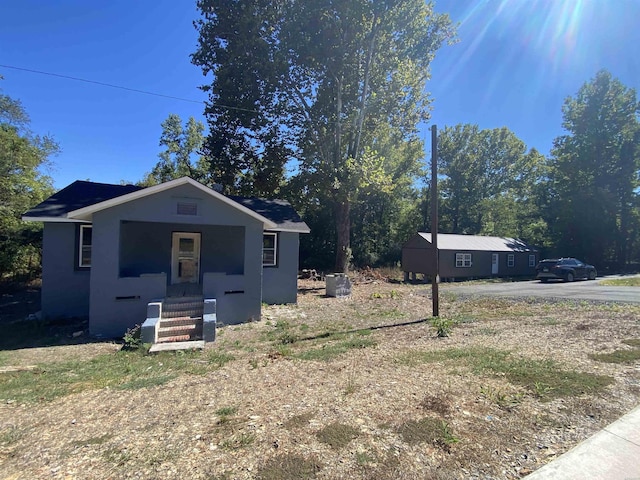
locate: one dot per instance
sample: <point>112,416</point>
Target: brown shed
<point>468,256</point>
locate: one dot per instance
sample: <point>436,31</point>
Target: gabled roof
<point>86,213</point>
<point>80,200</point>
<point>78,195</point>
<point>448,241</point>
<point>279,211</point>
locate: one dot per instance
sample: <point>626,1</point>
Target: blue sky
<point>515,63</point>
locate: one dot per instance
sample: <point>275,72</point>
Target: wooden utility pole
<point>435,278</point>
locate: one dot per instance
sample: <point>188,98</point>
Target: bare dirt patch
<point>395,400</point>
<point>17,301</point>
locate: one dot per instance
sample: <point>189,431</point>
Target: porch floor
<point>170,346</point>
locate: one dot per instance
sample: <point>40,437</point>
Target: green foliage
<point>622,282</point>
<point>543,378</point>
<point>364,458</point>
<point>224,412</point>
<point>125,370</point>
<point>182,144</point>
<point>337,88</point>
<point>146,382</point>
<point>218,358</point>
<point>282,334</point>
<point>617,356</point>
<point>24,157</point>
<point>597,163</point>
<point>489,183</point>
<point>132,338</point>
<point>443,325</point>
<point>238,441</point>
<point>332,349</point>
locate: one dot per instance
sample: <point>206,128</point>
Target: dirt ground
<point>267,413</point>
<point>17,302</point>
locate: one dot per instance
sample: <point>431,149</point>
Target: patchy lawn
<point>330,388</point>
<point>633,281</point>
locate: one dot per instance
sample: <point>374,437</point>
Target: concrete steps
<point>181,319</point>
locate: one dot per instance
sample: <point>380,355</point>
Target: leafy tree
<point>182,144</point>
<point>327,86</point>
<point>490,183</point>
<point>23,184</point>
<point>387,212</point>
<point>595,173</point>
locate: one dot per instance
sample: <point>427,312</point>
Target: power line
<point>135,90</point>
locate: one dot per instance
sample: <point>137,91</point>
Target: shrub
<point>443,326</point>
<point>132,338</point>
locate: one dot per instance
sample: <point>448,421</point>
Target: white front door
<point>494,263</point>
<point>185,257</point>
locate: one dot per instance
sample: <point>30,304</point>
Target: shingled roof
<point>79,194</point>
<point>278,211</point>
<point>82,194</point>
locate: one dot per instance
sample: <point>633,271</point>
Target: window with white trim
<point>84,246</point>
<point>463,260</point>
<point>532,260</point>
<point>269,249</point>
<point>511,260</point>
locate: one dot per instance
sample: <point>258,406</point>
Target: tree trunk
<point>343,229</point>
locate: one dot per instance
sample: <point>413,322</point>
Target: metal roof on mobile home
<point>448,241</point>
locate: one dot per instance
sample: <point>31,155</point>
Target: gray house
<point>468,256</point>
<point>122,254</point>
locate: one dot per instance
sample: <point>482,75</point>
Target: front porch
<point>166,275</point>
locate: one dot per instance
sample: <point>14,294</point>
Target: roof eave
<point>291,230</point>
<point>86,213</point>
<point>52,219</point>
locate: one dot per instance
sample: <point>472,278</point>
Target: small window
<point>269,249</point>
<point>84,246</point>
<point>532,260</point>
<point>511,260</point>
<point>463,260</point>
<point>187,208</point>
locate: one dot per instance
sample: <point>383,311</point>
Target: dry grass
<point>331,388</point>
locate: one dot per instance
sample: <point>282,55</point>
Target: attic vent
<point>187,208</point>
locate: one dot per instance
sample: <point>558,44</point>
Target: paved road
<point>579,290</point>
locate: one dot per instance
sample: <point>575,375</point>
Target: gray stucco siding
<point>280,283</point>
<point>116,304</point>
<point>65,288</point>
<point>110,316</point>
<point>239,297</point>
<point>145,247</point>
<point>223,249</point>
<point>162,208</point>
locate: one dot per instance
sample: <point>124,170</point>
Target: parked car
<point>567,269</point>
